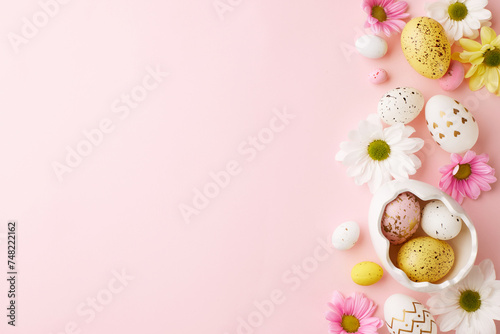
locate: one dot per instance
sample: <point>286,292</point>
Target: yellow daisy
<point>485,60</point>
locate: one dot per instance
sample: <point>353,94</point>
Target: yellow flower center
<point>379,150</point>
<point>492,57</point>
<point>458,11</point>
<point>350,324</point>
<point>463,172</point>
<point>378,12</point>
<point>470,300</point>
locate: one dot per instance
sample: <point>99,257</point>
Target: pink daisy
<point>467,176</point>
<point>385,15</point>
<point>352,315</point>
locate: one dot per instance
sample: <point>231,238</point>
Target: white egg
<point>371,46</point>
<point>400,105</point>
<point>345,235</point>
<point>451,125</point>
<point>438,222</point>
<point>404,314</point>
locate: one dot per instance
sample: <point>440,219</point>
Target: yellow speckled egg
<point>366,273</point>
<point>425,259</point>
<point>426,47</point>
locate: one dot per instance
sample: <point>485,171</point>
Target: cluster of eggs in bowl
<point>422,236</point>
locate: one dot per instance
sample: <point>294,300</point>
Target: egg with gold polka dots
<point>426,47</point>
<point>450,124</point>
<point>425,259</point>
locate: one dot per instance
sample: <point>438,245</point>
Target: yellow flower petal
<point>470,45</point>
<point>457,56</point>
<point>476,82</point>
<point>476,60</point>
<point>471,71</point>
<point>496,42</point>
<point>492,79</point>
<point>481,69</point>
<point>487,35</point>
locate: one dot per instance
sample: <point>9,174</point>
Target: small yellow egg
<point>425,259</point>
<point>426,47</point>
<point>366,273</point>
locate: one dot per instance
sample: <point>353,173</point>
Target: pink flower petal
<point>474,190</point>
<point>335,328</point>
<point>455,158</point>
<point>483,185</point>
<point>337,304</point>
<point>333,317</point>
<point>468,157</point>
<point>349,306</point>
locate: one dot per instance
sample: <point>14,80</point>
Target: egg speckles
<point>401,218</point>
<point>425,259</point>
<point>400,105</point>
<point>426,47</point>
<point>438,222</point>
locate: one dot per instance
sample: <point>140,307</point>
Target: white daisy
<point>471,305</point>
<point>460,18</point>
<point>375,155</point>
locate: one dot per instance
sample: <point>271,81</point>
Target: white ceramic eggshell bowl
<point>464,245</point>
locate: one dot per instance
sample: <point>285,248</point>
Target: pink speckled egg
<point>401,218</point>
<point>453,77</point>
<point>377,76</point>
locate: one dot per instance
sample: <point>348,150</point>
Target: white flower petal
<point>416,161</point>
<point>481,15</point>
<point>481,324</point>
<point>354,157</point>
<point>393,134</point>
<point>490,310</point>
<point>437,10</point>
<point>488,270</point>
<point>472,22</point>
<point>366,175</point>
<point>474,279</point>
<point>476,4</point>
<point>451,320</point>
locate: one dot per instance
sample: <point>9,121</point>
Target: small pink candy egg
<point>377,76</point>
<point>454,77</point>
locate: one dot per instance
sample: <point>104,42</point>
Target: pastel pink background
<point>119,209</point>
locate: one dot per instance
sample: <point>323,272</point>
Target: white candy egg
<point>451,125</point>
<point>345,235</point>
<point>438,222</point>
<point>371,46</point>
<point>400,105</point>
<point>404,314</point>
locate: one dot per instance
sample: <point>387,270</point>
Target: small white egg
<point>438,222</point>
<point>371,46</point>
<point>345,235</point>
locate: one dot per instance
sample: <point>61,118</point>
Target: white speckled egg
<point>451,125</point>
<point>438,222</point>
<point>400,105</point>
<point>371,46</point>
<point>345,235</point>
<point>405,314</point>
